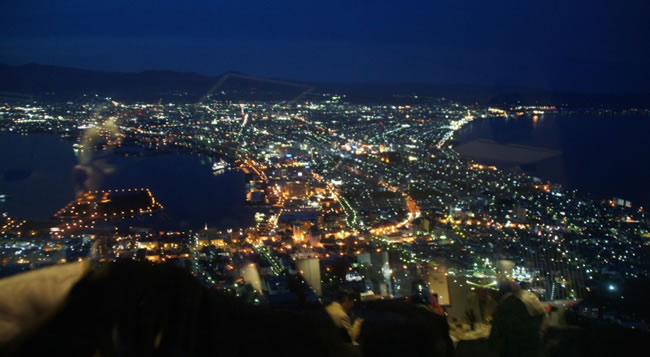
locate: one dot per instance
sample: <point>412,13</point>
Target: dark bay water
<point>604,156</point>
<point>36,171</point>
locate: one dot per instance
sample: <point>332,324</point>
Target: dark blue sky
<point>586,45</point>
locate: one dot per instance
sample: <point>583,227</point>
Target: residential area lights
<point>335,179</point>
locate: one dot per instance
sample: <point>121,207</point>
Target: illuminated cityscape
<point>304,178</point>
<point>375,193</point>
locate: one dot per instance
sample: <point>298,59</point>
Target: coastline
<point>601,156</point>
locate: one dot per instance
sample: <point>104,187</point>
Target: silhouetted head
<point>482,294</point>
<point>347,299</point>
<point>503,287</point>
<point>420,293</point>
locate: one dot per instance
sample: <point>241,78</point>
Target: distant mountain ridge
<point>54,82</point>
<point>38,79</point>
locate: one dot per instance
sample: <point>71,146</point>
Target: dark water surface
<point>36,174</point>
<point>602,155</point>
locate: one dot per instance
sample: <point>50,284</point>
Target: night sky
<point>589,45</point>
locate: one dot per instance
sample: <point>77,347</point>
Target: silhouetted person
<point>339,312</point>
<point>480,305</point>
<point>421,296</point>
<point>396,328</point>
<point>140,309</point>
<point>410,327</point>
<point>517,323</point>
<point>134,308</point>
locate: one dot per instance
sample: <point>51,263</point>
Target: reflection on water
<point>95,148</point>
<point>185,184</point>
<point>605,156</point>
